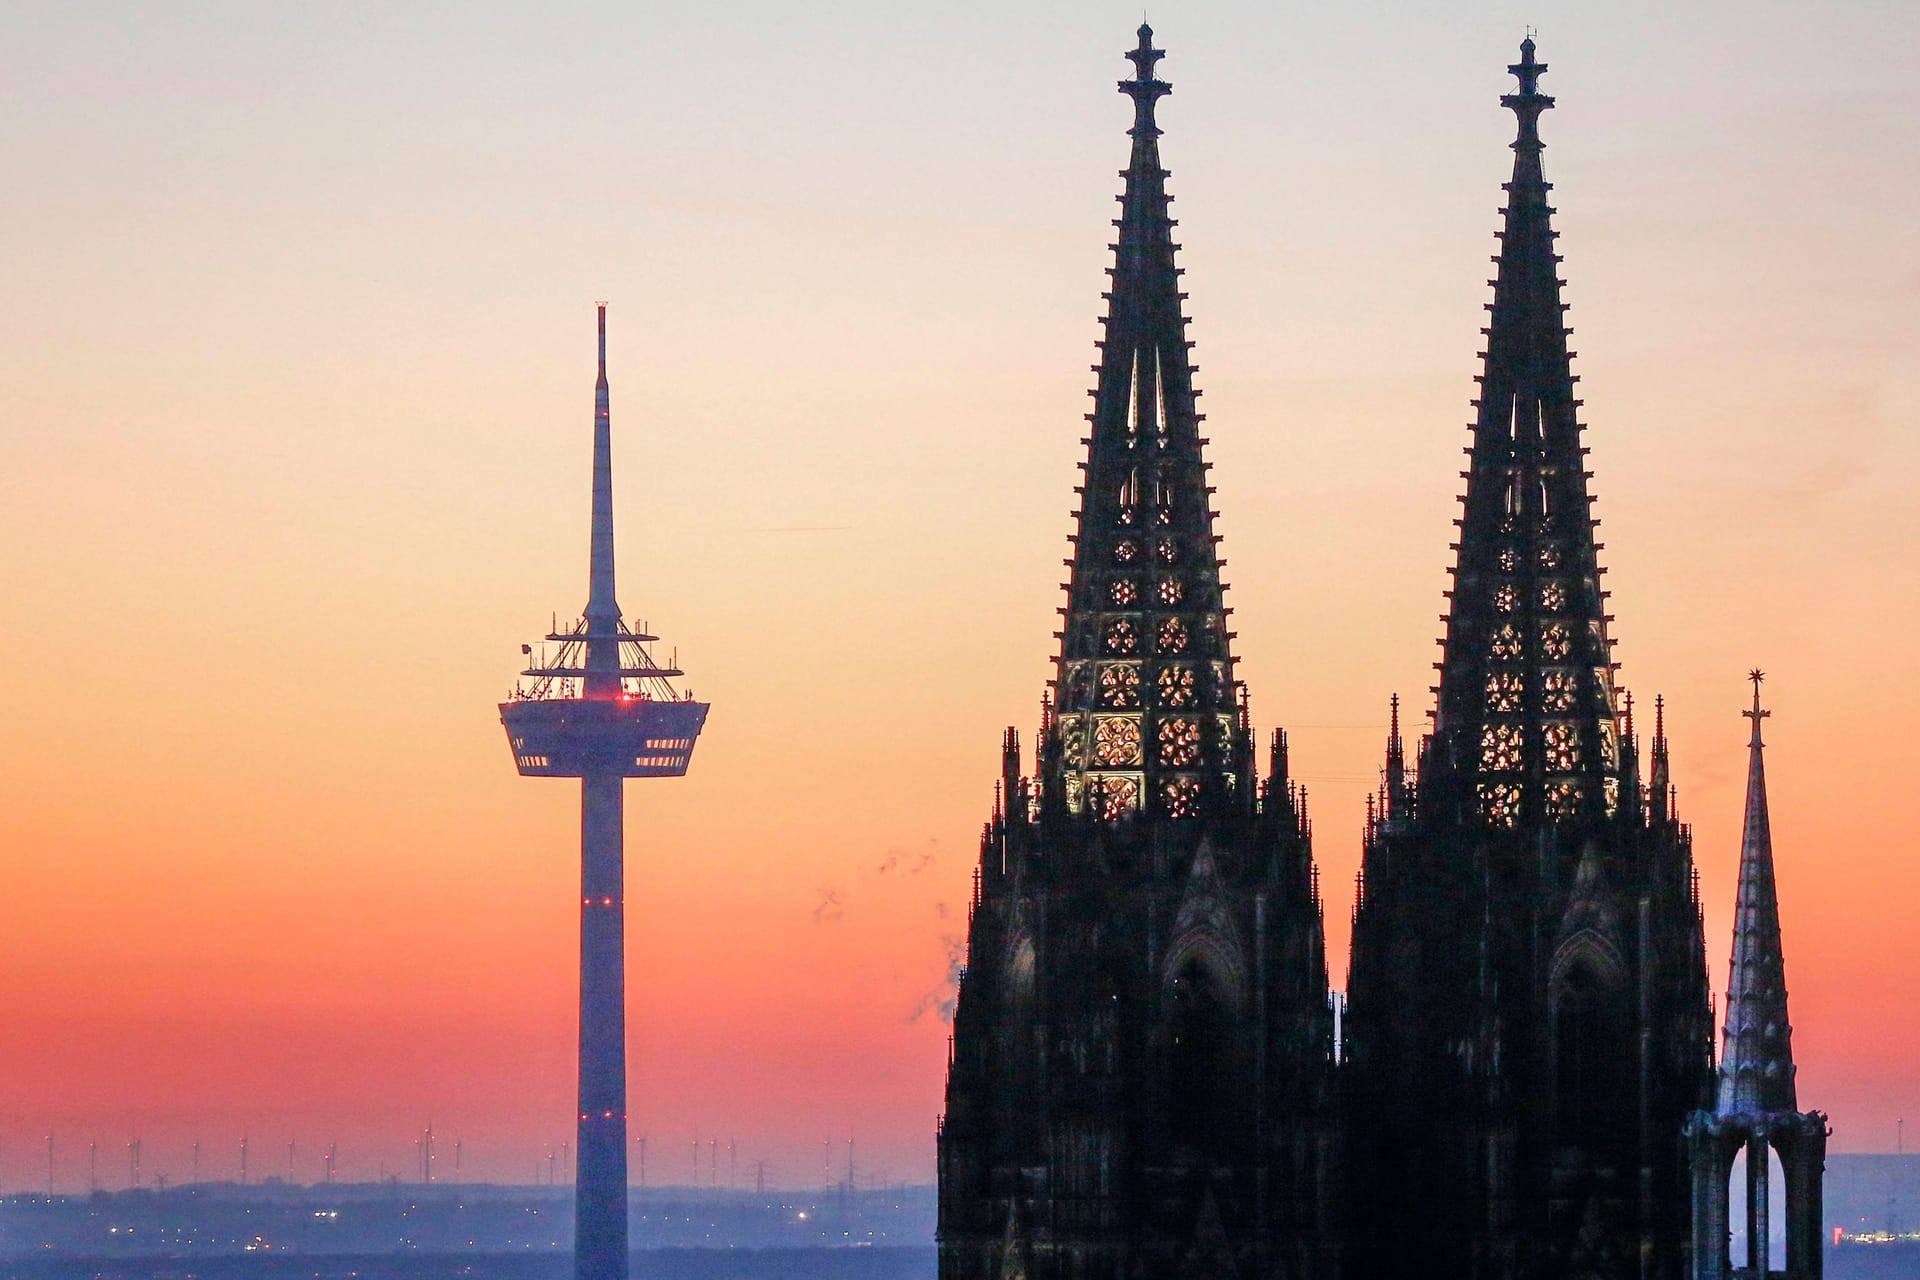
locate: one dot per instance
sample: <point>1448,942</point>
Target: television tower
<point>601,710</point>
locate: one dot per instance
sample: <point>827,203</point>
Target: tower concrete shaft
<point>600,1186</point>
<point>600,1193</point>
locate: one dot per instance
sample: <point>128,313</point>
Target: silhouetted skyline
<point>292,365</point>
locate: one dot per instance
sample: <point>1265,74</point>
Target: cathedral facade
<point>1146,1077</point>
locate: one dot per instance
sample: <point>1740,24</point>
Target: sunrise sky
<point>296,365</point>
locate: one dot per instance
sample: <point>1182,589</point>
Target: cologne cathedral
<point>1147,1078</point>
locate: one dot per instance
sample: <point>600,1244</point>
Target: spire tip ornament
<point>1144,88</point>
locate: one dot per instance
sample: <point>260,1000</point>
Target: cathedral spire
<point>1756,1065</point>
<point>1147,716</point>
<point>1526,729</point>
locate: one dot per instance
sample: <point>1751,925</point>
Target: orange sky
<point>295,394</point>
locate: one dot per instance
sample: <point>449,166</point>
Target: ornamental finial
<point>1145,56</point>
<point>1527,70</point>
<point>1756,715</point>
<point>1144,89</point>
<point>1529,102</point>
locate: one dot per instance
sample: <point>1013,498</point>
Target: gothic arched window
<point>1202,1089</point>
<point>1594,1072</point>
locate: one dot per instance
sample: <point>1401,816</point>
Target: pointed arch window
<point>1593,1060</point>
<point>1133,395</point>
<point>1201,1062</point>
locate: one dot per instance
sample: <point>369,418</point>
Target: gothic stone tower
<point>1140,1083</point>
<point>1756,1108</point>
<point>1528,1027</point>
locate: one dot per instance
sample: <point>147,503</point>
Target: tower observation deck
<point>601,709</point>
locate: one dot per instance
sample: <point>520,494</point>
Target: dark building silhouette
<point>1144,1081</point>
<point>1141,1080</point>
<point>1756,1110</point>
<point>1529,1023</point>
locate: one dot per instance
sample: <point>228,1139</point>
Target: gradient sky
<point>296,361</point>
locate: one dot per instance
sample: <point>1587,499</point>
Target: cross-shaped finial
<point>1756,715</point>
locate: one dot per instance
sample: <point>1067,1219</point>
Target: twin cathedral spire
<point>1147,720</point>
<point>1526,726</point>
<point>1146,1076</point>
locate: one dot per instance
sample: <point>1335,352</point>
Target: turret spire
<point>1661,779</point>
<point>1394,797</point>
<point>1147,719</point>
<point>1526,725</point>
<point>1756,1065</point>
